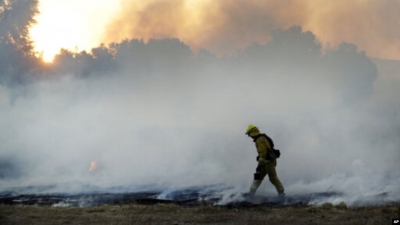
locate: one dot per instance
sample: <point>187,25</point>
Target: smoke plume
<point>224,26</point>
<point>154,114</point>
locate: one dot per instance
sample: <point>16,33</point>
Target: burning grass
<point>204,214</point>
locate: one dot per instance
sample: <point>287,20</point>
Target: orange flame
<point>93,166</point>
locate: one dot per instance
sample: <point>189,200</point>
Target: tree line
<point>293,51</point>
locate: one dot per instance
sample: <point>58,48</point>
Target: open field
<point>205,214</point>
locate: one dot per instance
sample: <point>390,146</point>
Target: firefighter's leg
<point>273,178</point>
<point>254,186</point>
<point>257,180</point>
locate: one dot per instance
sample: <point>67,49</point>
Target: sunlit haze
<point>70,24</point>
<point>221,27</point>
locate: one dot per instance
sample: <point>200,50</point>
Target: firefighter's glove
<point>262,161</point>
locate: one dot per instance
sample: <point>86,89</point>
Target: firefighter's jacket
<point>265,153</point>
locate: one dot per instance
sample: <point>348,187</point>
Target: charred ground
<point>195,205</point>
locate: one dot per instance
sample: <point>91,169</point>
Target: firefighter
<point>266,161</point>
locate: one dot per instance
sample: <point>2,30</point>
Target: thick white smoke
<point>179,128</point>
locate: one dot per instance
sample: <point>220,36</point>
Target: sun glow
<point>70,24</point>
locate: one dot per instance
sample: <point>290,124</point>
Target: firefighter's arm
<point>262,148</point>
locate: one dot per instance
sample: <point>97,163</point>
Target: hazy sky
<point>219,26</point>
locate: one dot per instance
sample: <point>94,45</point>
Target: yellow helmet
<point>250,127</point>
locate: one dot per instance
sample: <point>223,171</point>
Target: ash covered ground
<point>191,196</point>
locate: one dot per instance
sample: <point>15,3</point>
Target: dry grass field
<point>206,214</point>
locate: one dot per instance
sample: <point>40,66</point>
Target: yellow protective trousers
<point>268,169</point>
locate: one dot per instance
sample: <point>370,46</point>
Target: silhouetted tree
<point>295,45</point>
<point>129,54</point>
<point>351,71</point>
<point>65,63</point>
<point>155,57</point>
<point>16,49</point>
<point>292,47</point>
<point>298,55</point>
<point>83,64</point>
<point>103,60</point>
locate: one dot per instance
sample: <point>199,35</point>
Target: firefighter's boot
<point>254,186</point>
